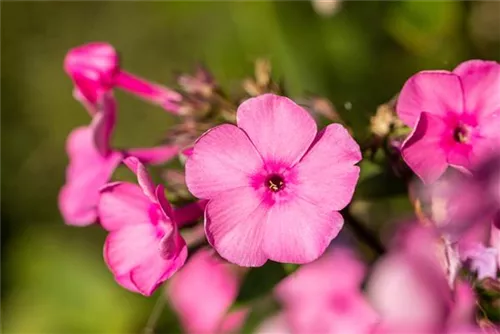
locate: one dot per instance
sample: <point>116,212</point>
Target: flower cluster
<point>260,186</point>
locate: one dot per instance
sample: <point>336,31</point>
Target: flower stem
<point>155,315</point>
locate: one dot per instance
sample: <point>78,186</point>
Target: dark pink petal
<point>423,150</point>
<point>87,172</point>
<point>222,159</point>
<point>298,231</point>
<point>481,85</point>
<point>122,204</point>
<point>202,292</point>
<point>434,92</point>
<point>164,97</point>
<point>326,174</point>
<point>189,212</point>
<point>103,123</point>
<point>133,256</point>
<point>154,155</point>
<point>281,130</point>
<point>234,224</point>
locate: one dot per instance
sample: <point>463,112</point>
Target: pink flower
<point>409,290</point>
<point>202,292</point>
<point>455,117</point>
<point>95,70</point>
<point>274,184</point>
<point>144,247</point>
<point>325,296</point>
<point>92,162</point>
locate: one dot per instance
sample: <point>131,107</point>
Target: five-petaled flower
<point>274,184</point>
<point>455,117</point>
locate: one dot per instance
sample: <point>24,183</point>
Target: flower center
<point>275,182</point>
<point>461,134</point>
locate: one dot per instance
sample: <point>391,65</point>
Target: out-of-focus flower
<point>326,7</point>
<point>91,164</point>
<point>144,246</point>
<point>409,290</point>
<point>325,297</point>
<point>95,70</point>
<point>274,184</point>
<point>455,117</point>
<point>202,292</point>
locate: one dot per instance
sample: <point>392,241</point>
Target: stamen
<point>461,134</point>
<point>275,183</point>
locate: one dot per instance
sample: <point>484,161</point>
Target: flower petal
<point>222,159</point>
<point>435,92</point>
<point>103,123</point>
<point>87,172</point>
<point>154,155</point>
<point>202,292</point>
<point>281,130</point>
<point>190,212</point>
<point>422,150</point>
<point>122,204</point>
<point>143,177</point>
<point>481,85</point>
<point>298,231</point>
<point>327,175</point>
<point>234,224</point>
<point>133,251</point>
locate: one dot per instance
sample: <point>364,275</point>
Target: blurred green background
<point>53,277</point>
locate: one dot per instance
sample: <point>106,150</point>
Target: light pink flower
<point>91,164</point>
<point>144,246</point>
<point>274,184</point>
<point>455,117</point>
<point>95,70</point>
<point>325,296</point>
<point>202,292</point>
<point>409,290</point>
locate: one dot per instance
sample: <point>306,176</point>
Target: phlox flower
<point>455,117</point>
<point>325,296</point>
<point>144,247</point>
<point>409,290</point>
<point>202,292</point>
<point>274,184</point>
<point>95,70</point>
<point>92,162</point>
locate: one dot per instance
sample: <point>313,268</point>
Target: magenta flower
<point>92,162</point>
<point>144,247</point>
<point>95,70</point>
<point>202,293</point>
<point>455,117</point>
<point>274,184</point>
<point>325,296</point>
